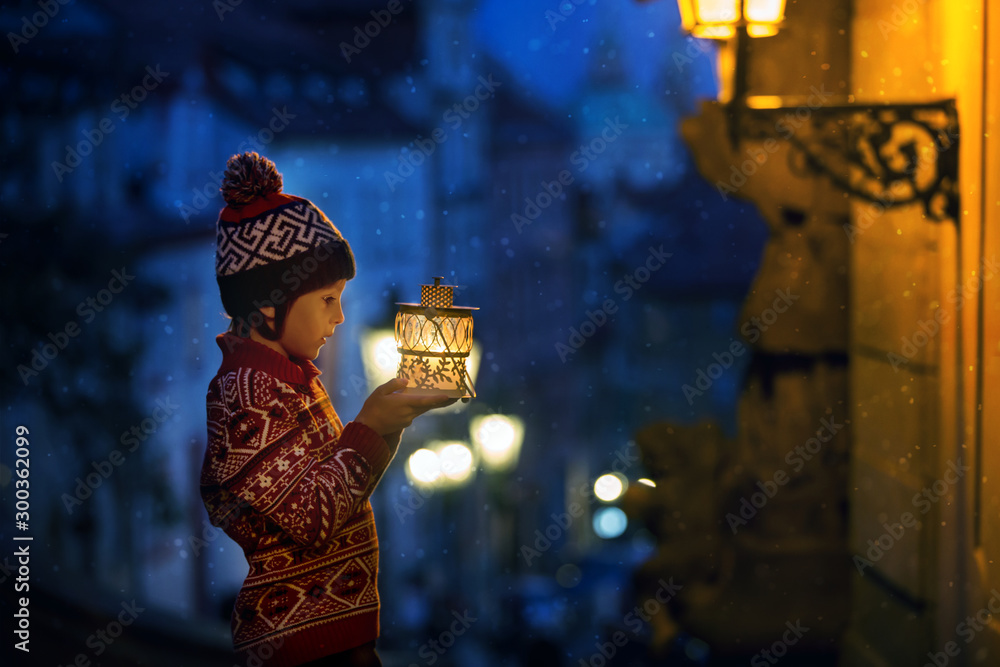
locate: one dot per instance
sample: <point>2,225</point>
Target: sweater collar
<point>246,353</point>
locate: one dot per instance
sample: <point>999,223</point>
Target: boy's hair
<point>279,284</point>
<point>272,247</point>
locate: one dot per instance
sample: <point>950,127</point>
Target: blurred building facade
<point>870,130</point>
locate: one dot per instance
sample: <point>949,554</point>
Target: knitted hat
<point>272,243</point>
<point>261,225</point>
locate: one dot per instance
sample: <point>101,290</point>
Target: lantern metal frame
<point>415,348</point>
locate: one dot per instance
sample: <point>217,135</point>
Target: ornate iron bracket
<point>891,154</point>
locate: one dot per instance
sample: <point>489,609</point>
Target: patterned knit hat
<point>271,245</point>
<point>260,225</point>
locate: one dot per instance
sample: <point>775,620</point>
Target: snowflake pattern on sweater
<point>290,484</point>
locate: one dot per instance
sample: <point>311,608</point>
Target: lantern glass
<point>438,333</point>
<point>434,340</point>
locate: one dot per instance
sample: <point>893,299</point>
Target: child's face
<point>311,320</point>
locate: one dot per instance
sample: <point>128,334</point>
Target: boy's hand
<point>387,411</point>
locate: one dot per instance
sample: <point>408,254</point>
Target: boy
<point>282,475</point>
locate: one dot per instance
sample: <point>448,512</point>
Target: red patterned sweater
<point>290,484</point>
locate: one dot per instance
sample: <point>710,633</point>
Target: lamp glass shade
<point>764,11</point>
<point>717,11</point>
<point>714,31</point>
<point>434,339</point>
<point>719,19</point>
<point>762,30</point>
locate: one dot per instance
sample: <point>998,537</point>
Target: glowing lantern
<point>434,339</point>
<point>719,19</point>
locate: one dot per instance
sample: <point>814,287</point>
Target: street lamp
<point>434,340</point>
<point>498,440</point>
<point>379,355</point>
<point>440,465</point>
<point>722,19</point>
<point>610,486</point>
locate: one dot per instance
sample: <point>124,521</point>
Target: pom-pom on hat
<point>260,225</point>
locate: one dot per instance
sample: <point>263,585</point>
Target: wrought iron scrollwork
<point>893,154</point>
